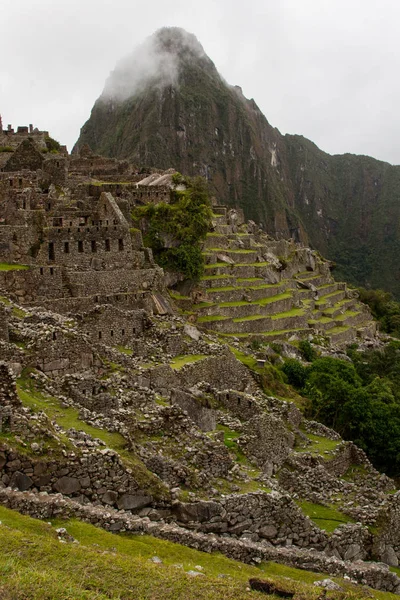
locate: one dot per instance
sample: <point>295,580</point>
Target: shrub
<point>175,231</point>
<point>307,351</point>
<point>295,372</point>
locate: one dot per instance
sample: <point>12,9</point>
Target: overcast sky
<point>326,69</point>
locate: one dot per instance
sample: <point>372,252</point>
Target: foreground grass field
<point>36,565</point>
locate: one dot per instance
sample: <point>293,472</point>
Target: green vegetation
<point>325,517</point>
<point>52,145</point>
<point>359,399</point>
<point>384,308</point>
<point>35,565</point>
<point>176,230</point>
<point>319,445</point>
<point>230,441</point>
<point>11,267</point>
<point>179,361</point>
<point>6,149</point>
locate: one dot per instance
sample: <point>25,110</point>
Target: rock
<point>131,502</point>
<point>328,584</point>
<point>192,332</point>
<point>197,511</point>
<point>194,573</point>
<point>353,552</point>
<point>156,560</point>
<point>389,557</point>
<point>110,497</point>
<point>226,259</point>
<point>67,485</point>
<point>21,481</point>
<point>268,532</point>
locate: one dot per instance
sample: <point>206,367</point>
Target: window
<point>120,245</point>
<point>51,251</point>
<point>99,335</point>
<point>51,271</point>
<point>80,246</point>
<point>66,247</point>
<point>94,246</point>
<point>108,246</point>
<point>41,270</point>
<point>112,333</point>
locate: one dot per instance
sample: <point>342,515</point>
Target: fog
<point>326,69</point>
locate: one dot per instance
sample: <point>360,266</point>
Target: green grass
<point>68,418</point>
<point>213,277</point>
<point>222,289</point>
<point>319,445</point>
<point>295,312</point>
<point>325,517</point>
<point>179,361</point>
<point>229,251</point>
<point>125,350</point>
<point>218,264</point>
<point>347,315</point>
<point>230,437</point>
<point>247,359</point>
<point>211,318</point>
<point>250,279</point>
<point>250,318</point>
<point>10,267</point>
<point>335,330</point>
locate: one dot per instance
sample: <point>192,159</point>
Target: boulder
<point>198,511</point>
<point>192,332</point>
<point>67,485</point>
<point>131,502</point>
<point>21,481</point>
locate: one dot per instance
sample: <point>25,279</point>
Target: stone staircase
<point>254,285</point>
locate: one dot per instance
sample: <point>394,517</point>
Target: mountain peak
<point>155,62</point>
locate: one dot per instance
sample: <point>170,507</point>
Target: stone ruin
<point>87,323</point>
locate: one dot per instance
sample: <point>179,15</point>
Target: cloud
<point>156,61</point>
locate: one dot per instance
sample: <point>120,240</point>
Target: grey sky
<point>326,69</point>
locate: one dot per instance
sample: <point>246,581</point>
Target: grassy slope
<point>35,565</point>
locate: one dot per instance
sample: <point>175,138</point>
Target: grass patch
<point>10,267</point>
<point>325,517</point>
<point>295,312</point>
<point>180,361</point>
<point>319,445</point>
<point>210,318</point>
<point>125,350</point>
<point>230,437</point>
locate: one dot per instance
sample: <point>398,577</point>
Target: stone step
<point>341,335</point>
<point>263,270</point>
<point>252,294</point>
<point>294,319</point>
<point>316,279</point>
<point>328,288</point>
<point>274,305</point>
<point>216,240</point>
<point>330,299</point>
<point>339,308</point>
<point>322,324</point>
<point>351,318</point>
<point>238,256</point>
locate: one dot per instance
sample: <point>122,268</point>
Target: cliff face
<point>181,113</point>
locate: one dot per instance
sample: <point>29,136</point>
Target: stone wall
<point>3,323</point>
<point>50,507</point>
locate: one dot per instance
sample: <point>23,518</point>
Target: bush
<point>307,351</point>
<point>175,231</point>
<point>295,372</point>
